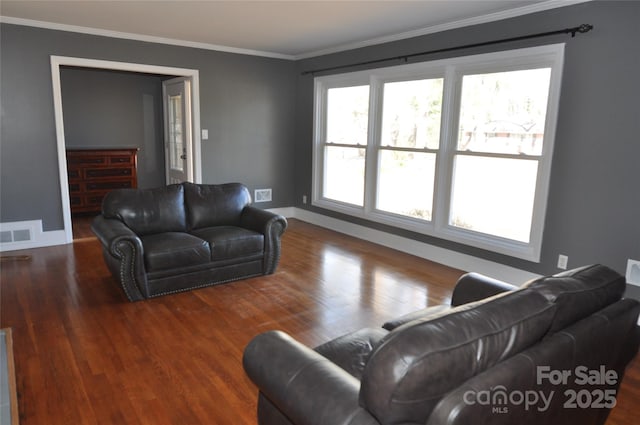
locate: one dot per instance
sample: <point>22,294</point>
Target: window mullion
<point>444,164</point>
<point>498,155</point>
<point>398,149</point>
<point>373,142</point>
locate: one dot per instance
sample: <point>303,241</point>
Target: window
<point>409,139</point>
<point>459,148</point>
<point>344,144</point>
<point>499,146</point>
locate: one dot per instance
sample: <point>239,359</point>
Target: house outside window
<point>459,149</point>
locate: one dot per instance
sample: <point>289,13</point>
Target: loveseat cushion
<point>228,242</point>
<point>163,251</point>
<point>579,292</point>
<point>604,339</point>
<point>420,361</point>
<point>414,315</point>
<point>215,204</point>
<point>351,351</point>
<point>148,211</point>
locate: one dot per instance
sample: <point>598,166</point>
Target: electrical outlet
<point>262,195</point>
<point>633,272</point>
<point>304,199</point>
<point>562,261</point>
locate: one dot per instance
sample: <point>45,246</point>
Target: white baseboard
<point>420,249</point>
<point>18,235</point>
<point>38,238</point>
<point>288,212</point>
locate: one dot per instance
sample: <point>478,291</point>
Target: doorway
<point>193,151</point>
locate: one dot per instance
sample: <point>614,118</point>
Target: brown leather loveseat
<point>551,352</point>
<point>185,236</point>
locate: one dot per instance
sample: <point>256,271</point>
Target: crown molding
<point>140,37</point>
<point>512,13</point>
<point>525,10</point>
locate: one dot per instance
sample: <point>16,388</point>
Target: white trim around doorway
<point>58,61</point>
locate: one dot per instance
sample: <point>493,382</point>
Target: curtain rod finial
<point>581,29</point>
<point>585,28</point>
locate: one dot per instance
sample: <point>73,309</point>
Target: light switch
<point>205,134</point>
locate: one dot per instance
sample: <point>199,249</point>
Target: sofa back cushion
<point>215,204</point>
<point>417,363</point>
<point>148,211</point>
<point>606,339</point>
<point>579,292</point>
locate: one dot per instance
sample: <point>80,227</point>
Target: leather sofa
<point>550,352</point>
<point>184,236</point>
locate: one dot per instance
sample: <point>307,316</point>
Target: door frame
<point>58,61</point>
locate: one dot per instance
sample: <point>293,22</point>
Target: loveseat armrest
<point>303,385</point>
<point>110,230</point>
<point>272,226</point>
<point>475,287</point>
<point>123,254</point>
<point>262,221</point>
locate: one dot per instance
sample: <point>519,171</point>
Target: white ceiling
<point>286,29</point>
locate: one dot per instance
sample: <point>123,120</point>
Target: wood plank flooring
<point>85,355</point>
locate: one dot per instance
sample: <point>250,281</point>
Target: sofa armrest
<point>272,226</point>
<point>305,386</point>
<point>124,255</point>
<point>475,287</point>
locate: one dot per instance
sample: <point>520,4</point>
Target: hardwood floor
<point>85,355</point>
<point>81,226</point>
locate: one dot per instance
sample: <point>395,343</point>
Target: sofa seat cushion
<point>228,242</point>
<point>171,250</point>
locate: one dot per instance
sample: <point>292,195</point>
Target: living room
<point>259,111</point>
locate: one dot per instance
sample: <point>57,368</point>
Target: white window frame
<point>452,70</point>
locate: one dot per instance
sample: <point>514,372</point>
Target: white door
<point>178,141</point>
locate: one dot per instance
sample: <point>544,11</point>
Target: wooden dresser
<point>93,173</point>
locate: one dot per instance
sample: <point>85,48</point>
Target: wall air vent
<point>633,272</point>
<point>262,195</point>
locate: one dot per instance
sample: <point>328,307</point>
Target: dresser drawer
<point>93,173</point>
<point>106,185</point>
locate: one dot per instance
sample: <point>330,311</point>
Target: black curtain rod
<point>573,31</point>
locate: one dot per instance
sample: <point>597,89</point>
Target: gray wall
<point>246,102</point>
<point>113,109</point>
<point>259,115</point>
<point>593,211</point>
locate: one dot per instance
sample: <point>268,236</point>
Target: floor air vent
<point>18,235</point>
<point>26,234</point>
